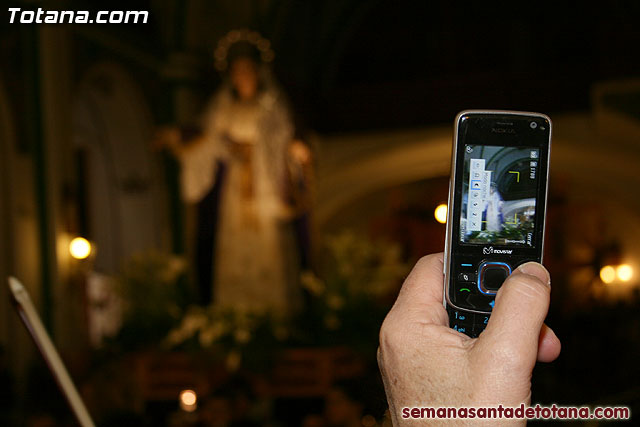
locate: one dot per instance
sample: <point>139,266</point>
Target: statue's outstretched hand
<point>300,152</point>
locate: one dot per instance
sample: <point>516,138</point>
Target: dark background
<point>356,65</point>
<point>350,66</point>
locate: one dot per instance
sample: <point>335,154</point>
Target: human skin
<point>425,363</point>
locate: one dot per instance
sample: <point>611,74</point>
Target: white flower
<point>174,266</point>
<point>242,336</point>
<point>233,361</point>
<point>175,337</point>
<point>335,302</point>
<point>312,283</point>
<point>210,333</point>
<point>193,321</point>
<point>331,321</point>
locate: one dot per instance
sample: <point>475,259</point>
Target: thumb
<point>521,306</point>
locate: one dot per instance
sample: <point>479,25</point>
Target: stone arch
<point>112,126</point>
<point>593,166</point>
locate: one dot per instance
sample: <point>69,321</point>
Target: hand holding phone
<point>425,363</point>
<point>497,203</point>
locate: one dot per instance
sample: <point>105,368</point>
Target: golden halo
<point>234,36</point>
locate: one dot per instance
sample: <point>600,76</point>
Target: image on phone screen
<point>499,190</point>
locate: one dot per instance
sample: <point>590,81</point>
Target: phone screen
<point>499,190</point>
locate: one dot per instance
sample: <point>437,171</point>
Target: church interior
<point>214,210</point>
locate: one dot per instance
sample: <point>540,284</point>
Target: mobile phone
<point>497,205</point>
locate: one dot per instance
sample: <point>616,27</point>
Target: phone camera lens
<point>533,125</point>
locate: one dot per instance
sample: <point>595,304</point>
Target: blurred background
<point>330,124</point>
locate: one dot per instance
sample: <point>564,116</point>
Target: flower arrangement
<point>238,336</point>
<point>153,299</point>
<point>348,296</point>
<point>345,307</point>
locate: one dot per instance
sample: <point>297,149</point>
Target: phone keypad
<point>474,284</point>
<point>470,324</point>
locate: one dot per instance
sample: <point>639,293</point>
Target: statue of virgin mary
<point>244,152</point>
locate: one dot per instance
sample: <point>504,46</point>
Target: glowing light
<point>188,400</point>
<point>441,213</point>
<point>80,248</point>
<point>624,272</point>
<point>607,274</point>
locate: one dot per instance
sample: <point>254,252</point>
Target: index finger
<point>422,291</point>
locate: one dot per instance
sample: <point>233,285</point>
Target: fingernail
<point>537,270</point>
